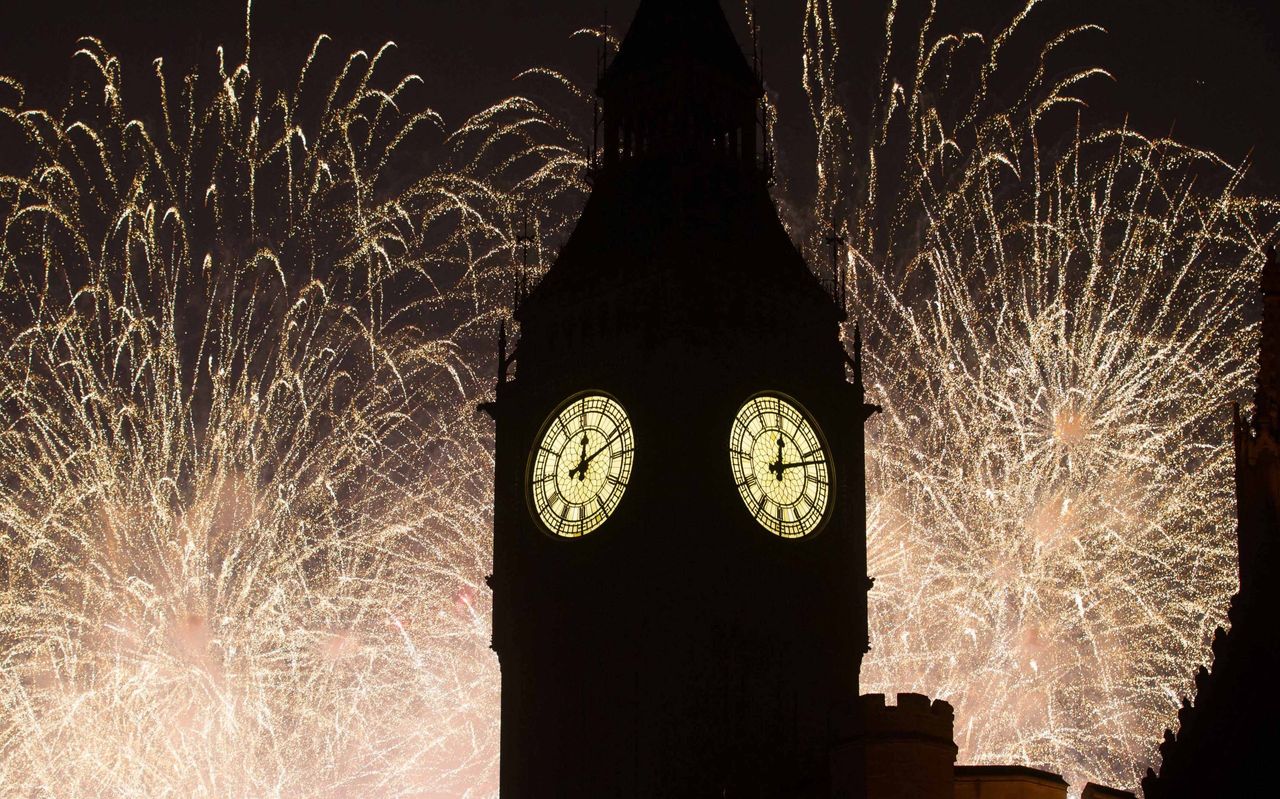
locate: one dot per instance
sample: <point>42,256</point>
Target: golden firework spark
<point>244,497</point>
<point>1055,329</point>
<point>243,489</point>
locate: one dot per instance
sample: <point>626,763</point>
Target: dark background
<point>1207,70</point>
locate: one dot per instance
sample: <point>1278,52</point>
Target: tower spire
<point>1267,400</point>
<point>680,85</point>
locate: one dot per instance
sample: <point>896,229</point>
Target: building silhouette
<point>1233,725</point>
<point>680,648</point>
<point>679,568</point>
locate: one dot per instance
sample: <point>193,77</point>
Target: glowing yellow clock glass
<point>780,466</point>
<point>581,465</point>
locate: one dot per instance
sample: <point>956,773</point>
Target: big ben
<point>679,571</point>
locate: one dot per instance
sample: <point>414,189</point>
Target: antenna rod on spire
<point>837,270</point>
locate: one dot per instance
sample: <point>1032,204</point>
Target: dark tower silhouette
<point>680,648</point>
<point>1232,729</point>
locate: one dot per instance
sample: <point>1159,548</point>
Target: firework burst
<point>243,489</point>
<point>244,496</point>
<point>1055,333</point>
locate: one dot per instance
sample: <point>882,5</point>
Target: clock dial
<point>780,466</point>
<point>581,465</point>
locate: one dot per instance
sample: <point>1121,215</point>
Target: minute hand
<point>782,466</point>
<point>602,448</point>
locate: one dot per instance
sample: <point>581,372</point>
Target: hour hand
<point>776,467</point>
<point>583,460</point>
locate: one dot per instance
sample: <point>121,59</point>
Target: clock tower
<point>679,572</point>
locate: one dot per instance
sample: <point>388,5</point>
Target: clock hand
<point>587,460</point>
<point>581,468</point>
<point>776,467</point>
<point>800,463</point>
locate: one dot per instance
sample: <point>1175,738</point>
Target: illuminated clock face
<point>581,465</point>
<point>781,466</point>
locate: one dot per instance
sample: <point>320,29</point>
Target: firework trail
<point>1055,328</point>
<point>244,494</point>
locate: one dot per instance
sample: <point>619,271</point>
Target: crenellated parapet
<point>906,751</point>
<point>915,717</point>
<point>902,751</point>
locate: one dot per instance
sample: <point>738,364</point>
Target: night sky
<point>1208,70</point>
